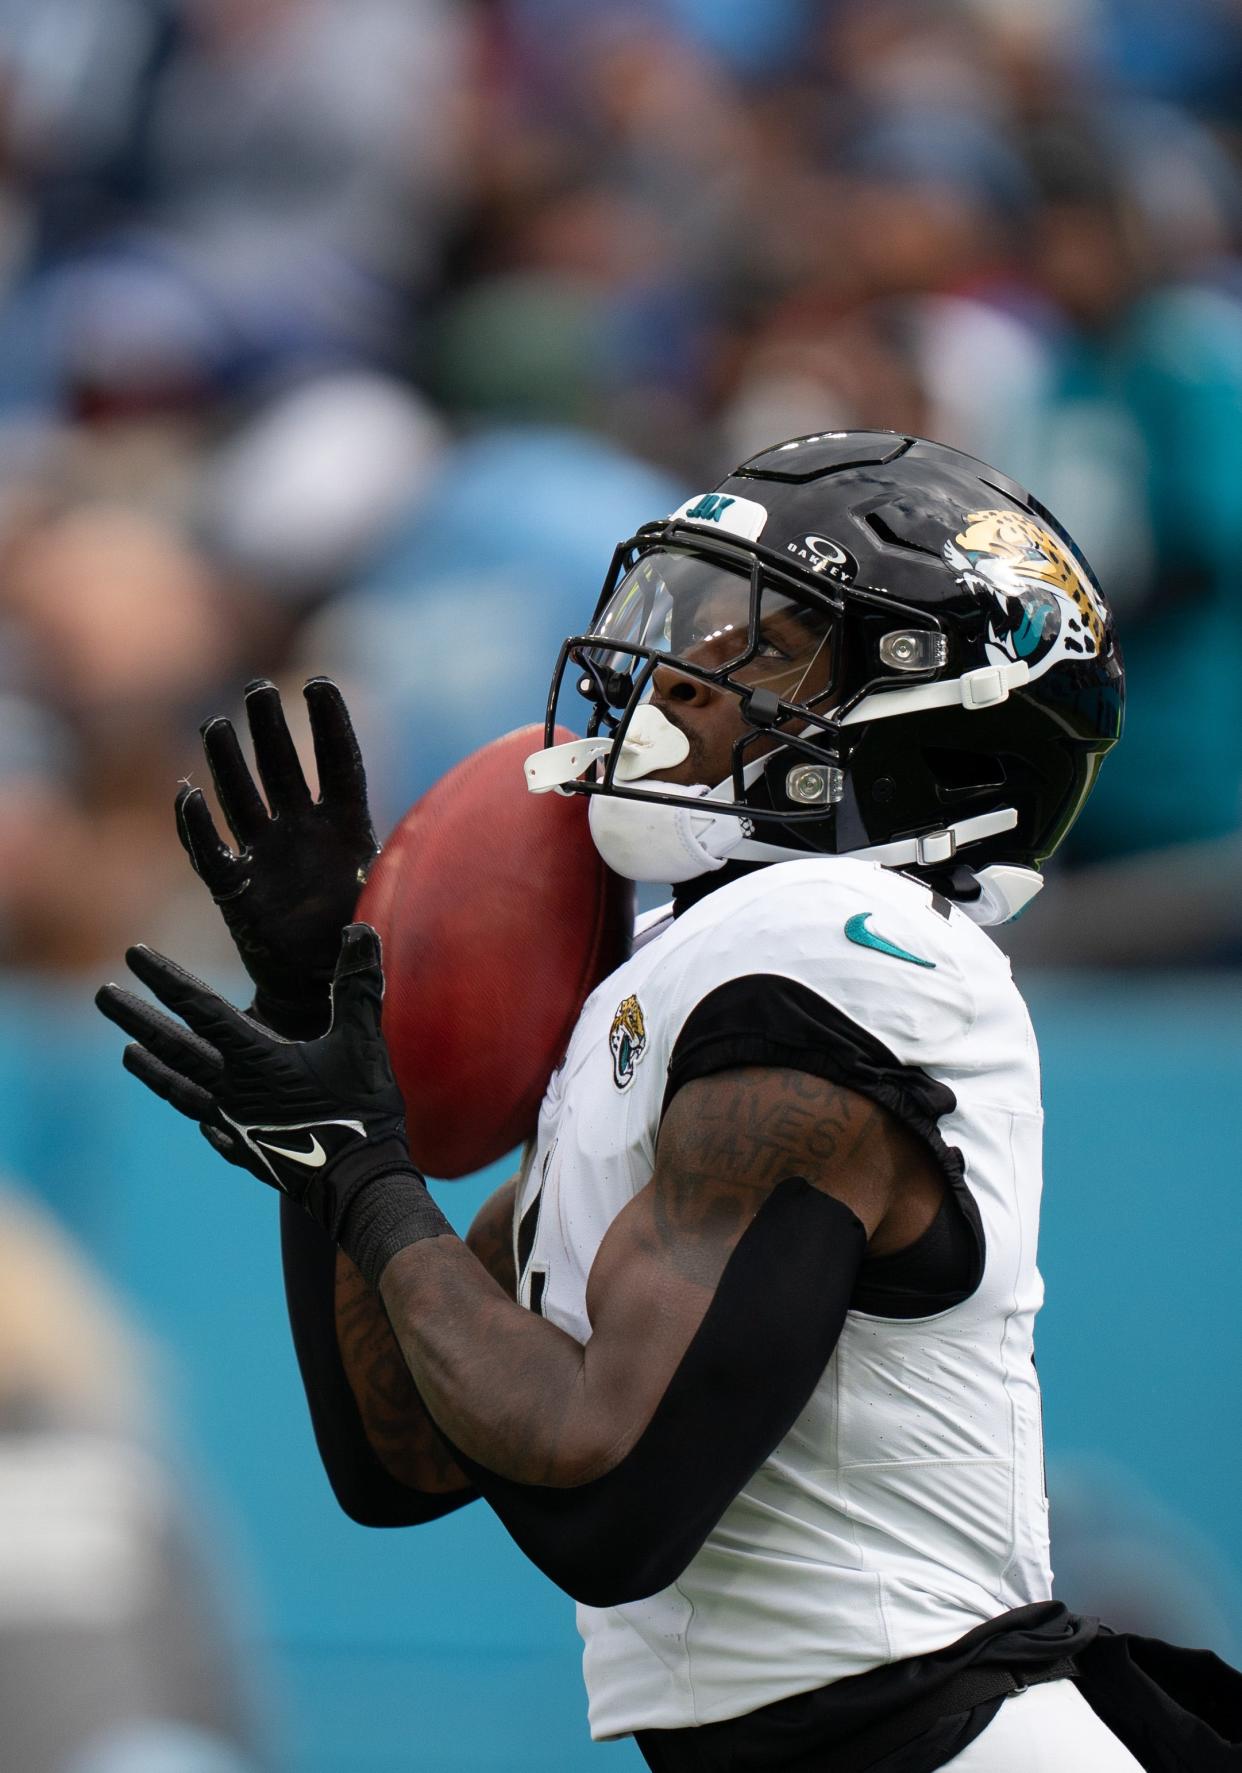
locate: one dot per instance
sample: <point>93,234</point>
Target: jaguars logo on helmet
<point>1046,607</point>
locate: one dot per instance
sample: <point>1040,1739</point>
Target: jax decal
<point>627,1040</point>
<point>1046,610</point>
<point>710,508</point>
<point>738,516</point>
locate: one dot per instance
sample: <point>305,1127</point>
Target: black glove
<point>293,884</point>
<point>321,1120</point>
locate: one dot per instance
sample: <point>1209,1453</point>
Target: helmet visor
<point>697,612</point>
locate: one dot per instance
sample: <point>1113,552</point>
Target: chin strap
<point>931,850</point>
<point>934,848</point>
<point>983,688</point>
<point>1005,891</point>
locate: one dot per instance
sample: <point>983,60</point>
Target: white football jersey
<point>907,1503</point>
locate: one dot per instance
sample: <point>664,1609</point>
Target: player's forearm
<point>394,1418</point>
<point>505,1386</point>
<point>608,1489</point>
<point>357,1390</point>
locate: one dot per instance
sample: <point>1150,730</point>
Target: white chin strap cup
<point>651,841</point>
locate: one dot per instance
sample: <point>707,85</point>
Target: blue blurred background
<point>350,335</point>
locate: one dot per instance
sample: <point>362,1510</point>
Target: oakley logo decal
<point>827,551</point>
<point>823,555</point>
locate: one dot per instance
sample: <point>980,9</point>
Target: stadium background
<point>350,335</point>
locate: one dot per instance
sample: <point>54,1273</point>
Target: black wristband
<point>386,1216</point>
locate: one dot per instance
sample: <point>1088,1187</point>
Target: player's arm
<point>394,1419</point>
<point>716,1298</point>
<point>286,888</point>
<point>386,1462</point>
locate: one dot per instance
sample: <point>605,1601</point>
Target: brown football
<point>498,920</point>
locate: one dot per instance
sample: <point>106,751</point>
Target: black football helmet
<point>926,667</point>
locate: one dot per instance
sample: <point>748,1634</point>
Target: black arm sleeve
<point>742,1383</point>
<point>366,1491</point>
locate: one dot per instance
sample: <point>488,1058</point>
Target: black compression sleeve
<point>366,1491</point>
<point>758,1354</point>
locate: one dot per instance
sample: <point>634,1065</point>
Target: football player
<point>743,1357</point>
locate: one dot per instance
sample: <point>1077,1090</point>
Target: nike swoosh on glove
<point>318,1119</point>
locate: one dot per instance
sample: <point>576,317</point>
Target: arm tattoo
<point>527,1402</point>
<point>727,1140</point>
<point>400,1431</point>
<point>505,1384</point>
<point>397,1422</point>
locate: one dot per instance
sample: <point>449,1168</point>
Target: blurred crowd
<point>350,335</point>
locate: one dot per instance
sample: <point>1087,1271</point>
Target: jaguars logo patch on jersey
<point>1046,609</point>
<point>627,1040</point>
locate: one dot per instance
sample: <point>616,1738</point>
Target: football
<point>498,919</point>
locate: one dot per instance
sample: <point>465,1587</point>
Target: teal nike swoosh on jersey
<point>856,931</point>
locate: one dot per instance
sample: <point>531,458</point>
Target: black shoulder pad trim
<point>766,1019</point>
<point>757,1356</point>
